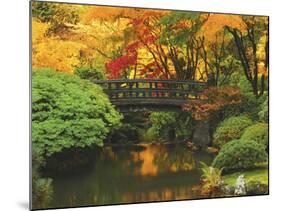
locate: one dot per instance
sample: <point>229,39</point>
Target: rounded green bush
<point>68,112</point>
<point>240,155</point>
<point>257,132</point>
<point>231,128</point>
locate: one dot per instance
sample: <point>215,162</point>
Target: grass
<point>259,174</point>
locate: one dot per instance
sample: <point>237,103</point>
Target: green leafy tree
<point>43,11</point>
<point>239,155</point>
<point>231,128</point>
<point>68,112</point>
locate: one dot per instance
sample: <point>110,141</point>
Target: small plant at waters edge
<point>42,188</point>
<point>42,192</point>
<point>212,180</point>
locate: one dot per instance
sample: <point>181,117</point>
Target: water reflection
<point>133,174</point>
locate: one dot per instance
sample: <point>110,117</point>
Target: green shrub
<point>240,155</point>
<point>68,112</point>
<point>229,129</point>
<point>257,132</point>
<point>89,73</point>
<point>170,125</point>
<point>163,124</point>
<point>131,129</point>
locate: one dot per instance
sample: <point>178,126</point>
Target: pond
<point>128,174</point>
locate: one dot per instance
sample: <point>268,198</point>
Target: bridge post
<point>130,88</point>
<point>156,87</point>
<point>211,80</point>
<point>109,88</point>
<point>117,87</point>
<point>150,87</point>
<point>137,86</point>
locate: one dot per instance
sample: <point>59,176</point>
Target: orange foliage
<point>216,23</point>
<point>212,99</point>
<point>105,14</point>
<point>111,14</point>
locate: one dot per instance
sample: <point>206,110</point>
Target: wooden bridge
<point>153,95</point>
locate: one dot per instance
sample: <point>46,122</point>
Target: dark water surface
<point>152,172</point>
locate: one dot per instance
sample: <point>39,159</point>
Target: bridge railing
<point>142,88</point>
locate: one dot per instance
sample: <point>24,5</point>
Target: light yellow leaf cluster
<point>52,52</point>
<point>39,30</point>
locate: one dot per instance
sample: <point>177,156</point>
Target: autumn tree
<point>212,100</point>
<point>218,59</point>
<point>52,52</point>
<point>218,48</point>
<point>252,47</point>
<point>184,46</point>
<point>153,61</point>
<point>121,65</point>
<point>60,16</point>
<point>142,56</point>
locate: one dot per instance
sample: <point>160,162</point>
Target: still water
<point>151,172</point>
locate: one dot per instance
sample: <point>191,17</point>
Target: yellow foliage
<point>57,54</point>
<point>52,52</point>
<point>39,30</point>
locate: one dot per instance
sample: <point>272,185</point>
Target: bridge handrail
<point>182,91</point>
<point>151,81</point>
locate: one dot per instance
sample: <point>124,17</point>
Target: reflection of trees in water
<point>160,195</point>
<point>148,160</point>
<point>174,158</point>
<point>132,174</point>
